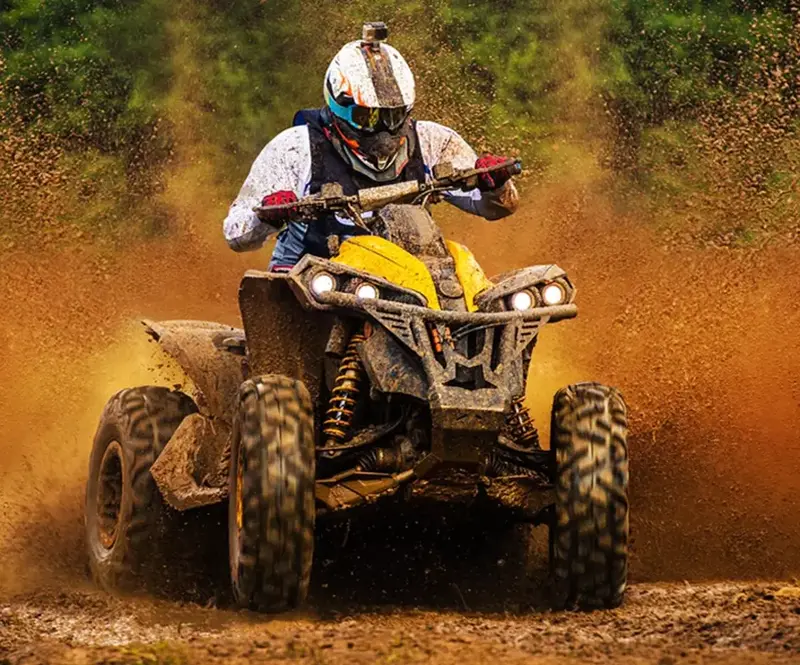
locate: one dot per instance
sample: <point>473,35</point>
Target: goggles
<point>369,119</point>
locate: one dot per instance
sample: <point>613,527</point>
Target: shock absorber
<point>520,426</point>
<point>347,386</point>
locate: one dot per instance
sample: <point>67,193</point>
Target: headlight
<point>322,283</point>
<point>553,294</point>
<point>366,291</point>
<point>522,301</point>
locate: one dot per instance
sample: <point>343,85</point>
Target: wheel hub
<point>239,487</point>
<point>109,495</point>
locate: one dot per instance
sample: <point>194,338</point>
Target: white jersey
<point>285,164</point>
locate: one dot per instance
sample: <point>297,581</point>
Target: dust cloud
<point>702,342</point>
<point>70,338</point>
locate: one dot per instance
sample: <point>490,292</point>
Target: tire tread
<point>591,525</point>
<point>276,432</point>
<point>142,420</point>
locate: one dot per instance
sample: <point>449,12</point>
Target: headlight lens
<point>366,291</point>
<point>322,283</point>
<point>522,301</point>
<point>553,294</point>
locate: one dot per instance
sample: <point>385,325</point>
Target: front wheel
<point>589,534</point>
<point>271,505</point>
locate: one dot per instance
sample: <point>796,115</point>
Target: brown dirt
<point>702,342</point>
<point>665,624</point>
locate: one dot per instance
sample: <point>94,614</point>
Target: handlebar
<point>331,198</point>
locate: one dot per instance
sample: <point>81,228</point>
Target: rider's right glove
<point>496,179</point>
<point>275,199</point>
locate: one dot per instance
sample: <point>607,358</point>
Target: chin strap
<point>348,150</point>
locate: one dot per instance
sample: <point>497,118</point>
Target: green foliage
<point>91,73</point>
<point>117,88</point>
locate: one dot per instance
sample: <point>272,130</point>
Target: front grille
<point>465,354</point>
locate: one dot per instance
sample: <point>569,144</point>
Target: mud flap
<point>197,449</point>
<point>282,337</point>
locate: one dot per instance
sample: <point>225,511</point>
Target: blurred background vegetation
<point>116,113</point>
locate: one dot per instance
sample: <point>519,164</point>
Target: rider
<point>364,136</point>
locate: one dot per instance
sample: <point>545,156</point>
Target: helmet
<point>369,94</point>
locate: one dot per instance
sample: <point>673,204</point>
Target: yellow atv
<point>392,371</point>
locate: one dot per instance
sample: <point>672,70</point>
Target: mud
<point>702,342</point>
<point>666,624</point>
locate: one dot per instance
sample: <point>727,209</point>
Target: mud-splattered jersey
<point>285,164</point>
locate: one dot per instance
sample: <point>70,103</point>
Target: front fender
<point>208,353</point>
<point>524,278</point>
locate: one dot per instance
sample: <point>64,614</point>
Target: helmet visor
<point>370,119</point>
<point>378,119</point>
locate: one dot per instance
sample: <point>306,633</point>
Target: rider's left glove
<point>282,197</point>
<point>496,179</point>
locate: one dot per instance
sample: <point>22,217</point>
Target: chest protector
<point>328,166</point>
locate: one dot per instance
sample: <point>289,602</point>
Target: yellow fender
<point>469,273</point>
<point>382,258</point>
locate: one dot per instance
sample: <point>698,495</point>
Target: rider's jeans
<point>290,247</point>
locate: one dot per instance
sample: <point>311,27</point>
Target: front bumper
<point>377,307</point>
<point>470,380</point>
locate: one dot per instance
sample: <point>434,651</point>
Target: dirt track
<point>702,341</point>
<point>724,623</point>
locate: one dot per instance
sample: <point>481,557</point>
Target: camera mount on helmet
<point>374,33</point>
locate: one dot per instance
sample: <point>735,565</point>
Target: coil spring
<point>520,426</point>
<point>346,388</point>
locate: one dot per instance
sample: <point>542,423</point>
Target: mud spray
<point>703,343</point>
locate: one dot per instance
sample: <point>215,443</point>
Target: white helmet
<point>369,91</point>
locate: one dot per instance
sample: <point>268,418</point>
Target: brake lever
<point>311,211</point>
<point>355,215</point>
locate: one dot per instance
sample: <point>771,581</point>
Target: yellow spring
<point>339,416</point>
<point>520,424</point>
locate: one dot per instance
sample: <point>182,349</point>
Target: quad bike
<point>392,371</point>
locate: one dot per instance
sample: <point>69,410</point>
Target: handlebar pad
<point>376,197</point>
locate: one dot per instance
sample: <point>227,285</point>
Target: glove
<point>278,198</point>
<point>496,179</point>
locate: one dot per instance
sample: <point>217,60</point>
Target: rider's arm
<point>442,144</point>
<point>284,164</point>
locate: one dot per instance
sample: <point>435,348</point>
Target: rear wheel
<point>125,531</point>
<point>271,506</point>
<point>589,534</point>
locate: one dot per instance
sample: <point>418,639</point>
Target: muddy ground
<point>702,341</point>
<point>665,624</point>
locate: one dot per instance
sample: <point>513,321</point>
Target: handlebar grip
<point>296,210</point>
<point>268,213</point>
<point>516,167</point>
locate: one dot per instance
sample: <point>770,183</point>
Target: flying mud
<point>702,342</point>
